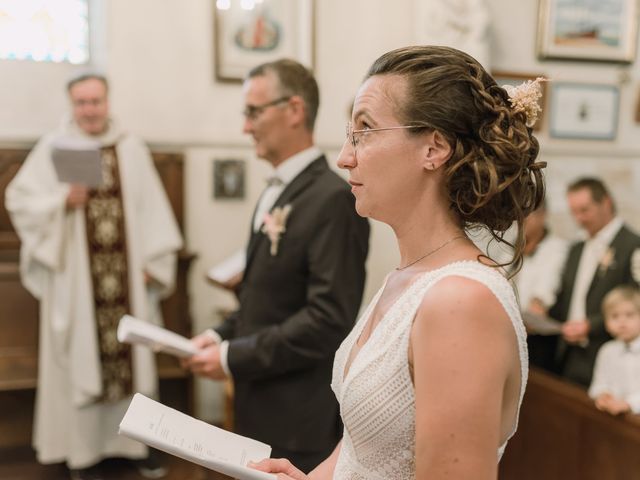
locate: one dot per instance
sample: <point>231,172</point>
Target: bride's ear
<point>436,151</point>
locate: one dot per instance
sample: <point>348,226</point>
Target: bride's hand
<point>281,466</point>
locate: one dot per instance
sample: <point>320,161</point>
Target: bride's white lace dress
<point>376,397</point>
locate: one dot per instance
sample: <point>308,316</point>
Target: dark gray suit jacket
<point>575,362</point>
<point>295,309</point>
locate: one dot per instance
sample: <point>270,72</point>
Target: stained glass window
<point>44,30</point>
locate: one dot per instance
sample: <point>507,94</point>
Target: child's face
<point>623,321</point>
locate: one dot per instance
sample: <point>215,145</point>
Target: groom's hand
<point>207,363</point>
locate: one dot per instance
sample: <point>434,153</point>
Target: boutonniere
<point>607,261</point>
<point>274,225</point>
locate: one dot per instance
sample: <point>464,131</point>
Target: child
<point>616,380</point>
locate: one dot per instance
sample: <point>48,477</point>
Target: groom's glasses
<point>252,112</point>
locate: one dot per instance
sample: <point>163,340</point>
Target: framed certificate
<point>584,111</point>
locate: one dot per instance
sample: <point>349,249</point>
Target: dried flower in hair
<point>524,98</point>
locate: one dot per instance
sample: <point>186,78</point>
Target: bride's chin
<point>362,210</point>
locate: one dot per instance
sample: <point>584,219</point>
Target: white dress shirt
<point>285,172</point>
<point>617,371</point>
<point>541,271</point>
<point>593,253</point>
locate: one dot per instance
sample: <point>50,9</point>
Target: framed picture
<point>584,111</point>
<point>514,79</point>
<point>251,32</point>
<point>228,179</point>
<point>600,30</point>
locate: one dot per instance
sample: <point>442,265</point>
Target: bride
<point>431,378</point>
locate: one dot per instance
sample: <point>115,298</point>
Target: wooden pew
<point>562,436</point>
<point>19,313</point>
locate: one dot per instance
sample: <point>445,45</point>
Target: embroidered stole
<point>107,245</point>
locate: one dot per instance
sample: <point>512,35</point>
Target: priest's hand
<point>77,196</point>
<point>281,466</point>
<point>207,363</point>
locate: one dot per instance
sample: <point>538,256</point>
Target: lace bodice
<point>377,402</point>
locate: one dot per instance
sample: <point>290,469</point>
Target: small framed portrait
<point>229,179</point>
<point>598,30</point>
<point>516,78</point>
<point>252,32</point>
<point>584,111</point>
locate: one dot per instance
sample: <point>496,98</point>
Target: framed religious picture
<point>599,30</point>
<point>584,111</point>
<point>250,32</point>
<point>228,179</point>
<point>512,78</point>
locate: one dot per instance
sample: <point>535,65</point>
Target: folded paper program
<point>77,161</point>
<point>132,330</point>
<point>174,432</point>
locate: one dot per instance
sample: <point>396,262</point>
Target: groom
<point>303,280</point>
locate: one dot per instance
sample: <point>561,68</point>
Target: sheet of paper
<point>173,432</point>
<point>541,324</point>
<point>77,161</point>
<point>132,330</point>
<point>228,268</point>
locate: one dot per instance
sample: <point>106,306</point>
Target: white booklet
<point>228,268</point>
<point>77,160</point>
<point>132,330</point>
<point>174,432</point>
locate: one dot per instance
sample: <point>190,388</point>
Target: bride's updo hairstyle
<point>492,178</point>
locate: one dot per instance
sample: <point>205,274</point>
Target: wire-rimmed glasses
<point>252,112</point>
<point>354,135</point>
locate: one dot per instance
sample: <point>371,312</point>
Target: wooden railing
<point>562,436</point>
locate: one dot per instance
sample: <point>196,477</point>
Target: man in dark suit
<point>303,280</point>
<point>607,258</point>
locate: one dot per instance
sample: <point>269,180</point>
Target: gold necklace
<point>431,252</point>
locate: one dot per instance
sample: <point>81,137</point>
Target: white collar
<point>634,345</point>
<point>111,136</point>
<point>294,165</point>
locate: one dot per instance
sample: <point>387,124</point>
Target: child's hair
<point>622,293</point>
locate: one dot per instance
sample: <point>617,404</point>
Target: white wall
<point>159,57</point>
<point>618,161</point>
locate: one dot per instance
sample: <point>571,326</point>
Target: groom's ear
<point>436,151</point>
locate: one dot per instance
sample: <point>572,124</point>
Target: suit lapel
<point>288,195</point>
<point>599,276</point>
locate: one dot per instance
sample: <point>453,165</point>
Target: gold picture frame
<point>270,30</point>
<point>603,30</point>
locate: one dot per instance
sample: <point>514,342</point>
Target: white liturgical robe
<point>71,424</point>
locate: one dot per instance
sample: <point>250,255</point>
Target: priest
<point>90,255</point>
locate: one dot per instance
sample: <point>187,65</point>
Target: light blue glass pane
<point>44,30</point>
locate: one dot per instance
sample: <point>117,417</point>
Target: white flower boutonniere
<point>607,261</point>
<point>274,226</point>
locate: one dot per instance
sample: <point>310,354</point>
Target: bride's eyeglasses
<point>354,136</point>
